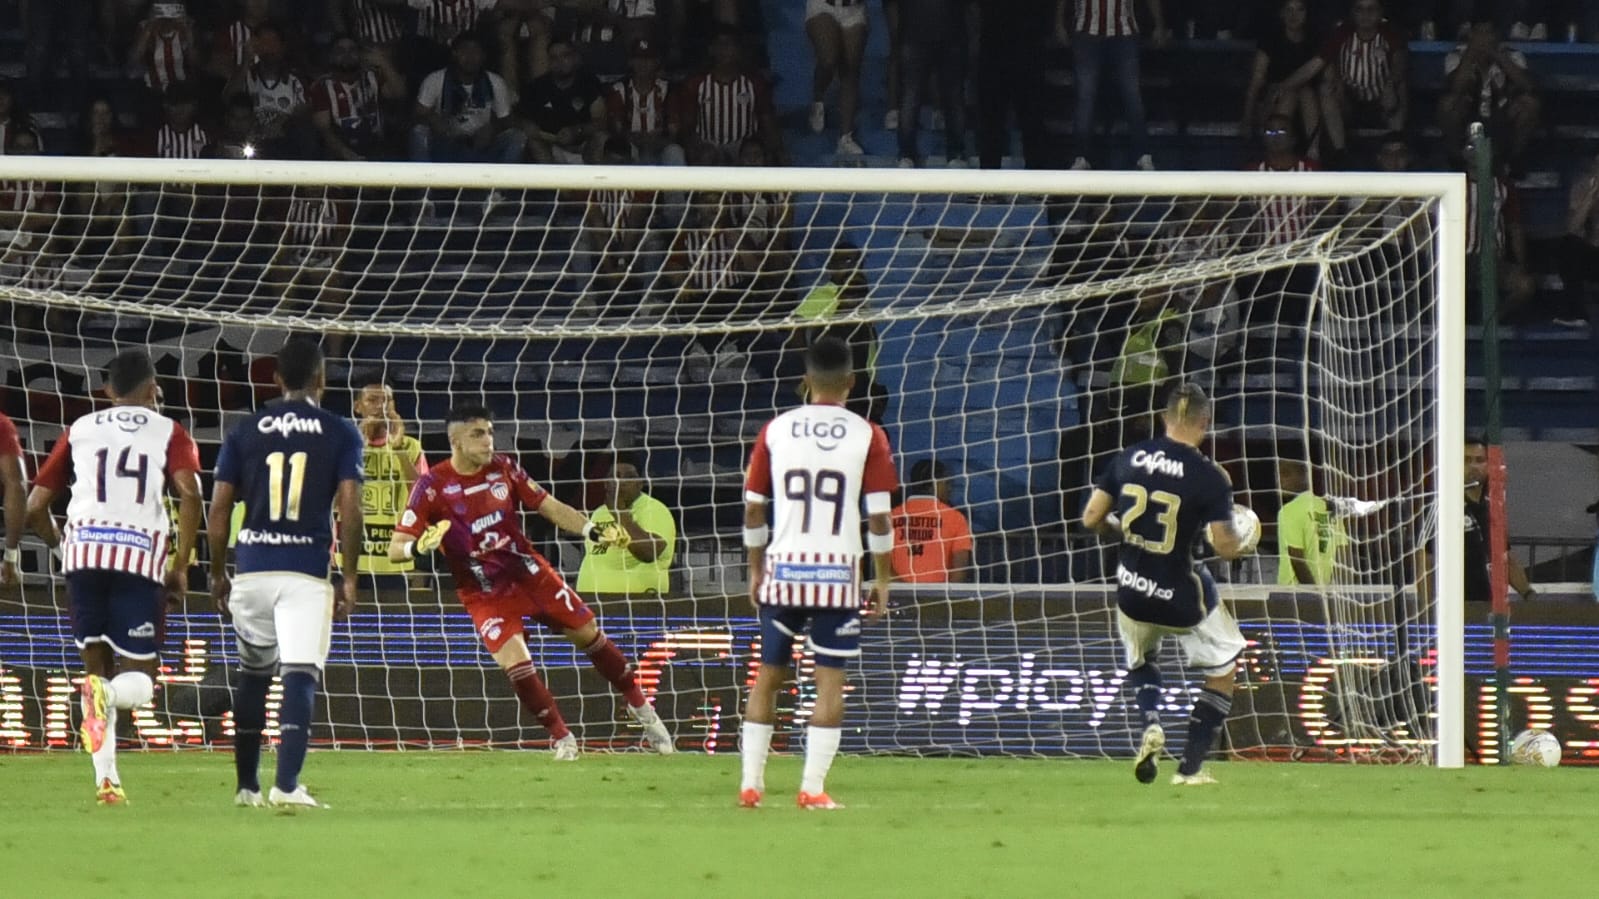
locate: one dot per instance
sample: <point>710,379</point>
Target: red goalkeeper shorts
<point>543,597</point>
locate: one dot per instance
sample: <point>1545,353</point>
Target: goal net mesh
<point>1017,340</point>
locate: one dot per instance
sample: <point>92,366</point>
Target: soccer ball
<point>1535,747</point>
<point>1247,524</point>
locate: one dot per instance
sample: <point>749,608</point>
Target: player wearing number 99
<point>471,506</point>
<point>815,463</point>
<point>120,461</point>
<point>292,463</point>
<point>1158,496</point>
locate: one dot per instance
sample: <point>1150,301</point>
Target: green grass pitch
<point>515,823</point>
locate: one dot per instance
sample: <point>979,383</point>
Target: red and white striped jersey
<point>311,222</point>
<point>1283,220</point>
<point>233,42</point>
<point>1365,64</point>
<point>374,25</point>
<point>712,259</point>
<point>28,196</point>
<point>171,144</point>
<point>634,111</point>
<point>118,463</point>
<point>1106,18</point>
<point>725,113</point>
<point>442,20</point>
<point>353,105</point>
<point>1507,208</point>
<point>816,463</point>
<point>170,61</point>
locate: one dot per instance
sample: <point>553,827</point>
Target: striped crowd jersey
<point>713,261</point>
<point>617,211</point>
<point>1283,220</point>
<point>118,462</point>
<point>1506,208</point>
<point>725,113</point>
<point>1106,18</point>
<point>1366,64</point>
<point>311,222</point>
<point>170,61</point>
<point>816,463</point>
<point>638,111</point>
<point>276,98</point>
<point>353,106</point>
<point>233,42</point>
<point>27,196</point>
<point>373,24</point>
<point>443,20</point>
<point>170,144</point>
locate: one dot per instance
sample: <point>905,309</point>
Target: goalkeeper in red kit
<point>470,506</point>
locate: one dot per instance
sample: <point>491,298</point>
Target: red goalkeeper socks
<point>536,698</point>
<point>613,666</point>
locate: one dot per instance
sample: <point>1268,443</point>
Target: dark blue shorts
<point>120,609</point>
<point>834,634</point>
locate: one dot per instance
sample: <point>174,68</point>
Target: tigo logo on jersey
<point>289,423</point>
<point>827,434</point>
<point>126,420</point>
<point>797,573</point>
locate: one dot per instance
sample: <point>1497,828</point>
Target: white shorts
<point>293,612</point>
<point>1211,648</point>
<point>852,15</point>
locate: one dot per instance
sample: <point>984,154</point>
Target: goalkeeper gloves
<point>1349,507</point>
<point>608,534</point>
<point>431,538</point>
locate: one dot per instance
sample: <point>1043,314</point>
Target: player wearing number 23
<point>1158,496</point>
<point>290,463</point>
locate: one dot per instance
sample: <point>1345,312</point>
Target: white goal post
<point>444,276</point>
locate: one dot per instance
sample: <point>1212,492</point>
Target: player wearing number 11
<point>290,463</point>
<point>1158,496</point>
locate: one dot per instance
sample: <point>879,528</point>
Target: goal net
<point>1012,330</point>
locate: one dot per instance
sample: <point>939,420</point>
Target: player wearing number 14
<point>1158,496</point>
<point>289,463</point>
<point>120,462</point>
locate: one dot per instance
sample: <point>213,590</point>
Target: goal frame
<point>1449,233</point>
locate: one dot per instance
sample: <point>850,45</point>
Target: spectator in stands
<point>164,48</point>
<point>306,274</point>
<point>1486,80</point>
<point>932,47</point>
<point>1367,85</point>
<point>837,30</point>
<point>347,103</point>
<point>439,23</point>
<point>278,95</point>
<point>375,24</point>
<point>1010,82</point>
<point>12,120</point>
<point>717,111</point>
<point>1309,537</point>
<point>615,227</point>
<point>180,135</point>
<point>1516,286</point>
<point>1579,251</point>
<point>97,211</point>
<point>637,109</point>
<point>240,137</point>
<point>1283,49</point>
<point>1104,35</point>
<point>1282,220</point>
<point>933,542</point>
<point>1154,335</point>
<point>231,48</point>
<point>562,112</point>
<point>644,566</point>
<point>843,291</point>
<point>391,460</point>
<point>27,208</point>
<point>1479,528</point>
<point>463,112</point>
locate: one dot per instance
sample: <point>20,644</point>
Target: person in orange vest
<point>933,541</point>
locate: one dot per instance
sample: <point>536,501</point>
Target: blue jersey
<point>285,463</point>
<point>1166,493</point>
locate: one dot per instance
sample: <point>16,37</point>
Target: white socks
<point>754,745</point>
<point>105,761</point>
<point>129,690</point>
<point>821,744</point>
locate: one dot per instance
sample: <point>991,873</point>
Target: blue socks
<point>1145,681</point>
<point>249,718</point>
<point>1210,710</point>
<point>294,723</point>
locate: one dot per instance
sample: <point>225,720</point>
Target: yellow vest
<point>390,470</point>
<point>1306,524</point>
<point>1141,361</point>
<point>607,569</point>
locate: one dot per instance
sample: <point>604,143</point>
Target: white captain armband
<point>881,544</point>
<point>881,503</point>
<point>14,555</point>
<point>754,538</point>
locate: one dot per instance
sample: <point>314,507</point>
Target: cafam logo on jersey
<point>826,434</point>
<point>126,420</point>
<point>1157,463</point>
<point>289,423</point>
